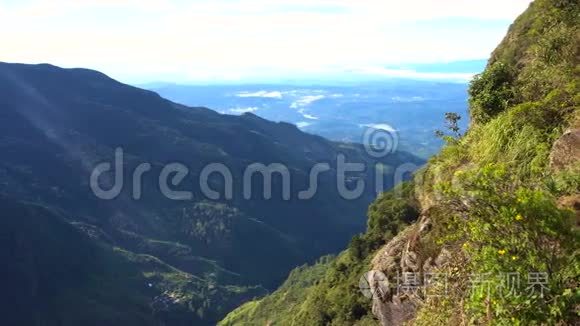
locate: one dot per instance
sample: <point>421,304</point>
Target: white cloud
<point>401,99</point>
<point>306,100</point>
<point>309,116</point>
<point>414,10</point>
<point>381,126</point>
<point>244,110</point>
<point>265,94</point>
<point>412,74</point>
<point>303,124</point>
<point>251,39</point>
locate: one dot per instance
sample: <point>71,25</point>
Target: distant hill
<point>75,257</point>
<point>415,108</point>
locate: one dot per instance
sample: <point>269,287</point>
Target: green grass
<point>281,306</point>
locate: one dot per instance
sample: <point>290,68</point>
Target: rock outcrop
<point>566,150</point>
<point>404,262</point>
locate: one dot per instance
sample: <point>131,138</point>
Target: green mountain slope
<point>328,292</point>
<point>291,294</point>
<point>55,275</point>
<point>503,199</point>
<point>202,256</point>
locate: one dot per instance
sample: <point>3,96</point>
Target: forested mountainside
<point>71,258</point>
<point>487,232</point>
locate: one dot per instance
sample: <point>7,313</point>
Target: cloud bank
<point>226,40</point>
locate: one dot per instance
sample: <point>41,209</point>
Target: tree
<point>452,124</point>
<point>452,120</point>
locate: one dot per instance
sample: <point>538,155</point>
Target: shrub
<point>490,92</point>
<point>504,229</point>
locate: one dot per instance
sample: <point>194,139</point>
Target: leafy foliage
<point>389,214</point>
<point>499,195</point>
<point>490,92</point>
<point>504,229</point>
<point>328,293</point>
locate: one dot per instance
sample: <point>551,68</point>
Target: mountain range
<point>167,261</point>
<point>121,207</point>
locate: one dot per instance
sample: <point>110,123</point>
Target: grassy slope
<point>519,106</point>
<point>498,176</point>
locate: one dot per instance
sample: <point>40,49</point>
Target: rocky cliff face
<point>566,151</point>
<point>525,119</point>
<point>565,156</point>
<point>408,253</point>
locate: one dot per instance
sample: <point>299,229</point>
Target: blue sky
<point>254,40</point>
